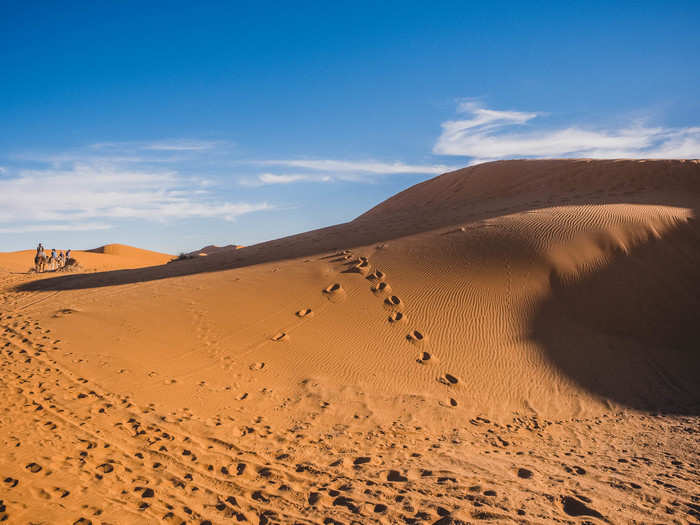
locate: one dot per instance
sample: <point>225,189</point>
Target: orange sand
<point>511,342</point>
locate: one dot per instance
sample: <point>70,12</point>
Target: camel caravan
<point>53,262</point>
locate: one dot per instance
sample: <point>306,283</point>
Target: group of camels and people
<point>55,261</point>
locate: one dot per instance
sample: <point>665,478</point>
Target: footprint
<point>10,482</point>
<point>416,337</point>
<point>397,317</point>
<point>334,292</point>
<point>396,476</point>
<point>380,288</point>
<point>63,312</point>
<point>524,473</point>
<point>362,268</point>
<point>424,358</point>
<point>575,507</point>
<point>377,275</point>
<point>280,336</point>
<point>241,397</point>
<point>393,301</point>
<point>33,467</point>
<point>306,312</point>
<point>106,468</point>
<point>449,379</point>
<point>257,366</point>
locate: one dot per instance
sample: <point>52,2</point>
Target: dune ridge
<point>511,342</point>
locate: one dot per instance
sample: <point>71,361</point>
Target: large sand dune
<point>515,341</point>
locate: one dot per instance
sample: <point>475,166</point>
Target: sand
<point>104,258</point>
<point>511,342</point>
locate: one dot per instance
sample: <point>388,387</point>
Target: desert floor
<point>515,342</point>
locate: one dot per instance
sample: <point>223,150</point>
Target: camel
<point>40,262</point>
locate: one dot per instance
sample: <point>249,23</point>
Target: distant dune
<point>210,249</point>
<point>511,342</point>
<point>108,257</point>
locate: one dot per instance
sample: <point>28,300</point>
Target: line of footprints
<point>382,289</point>
<point>335,293</point>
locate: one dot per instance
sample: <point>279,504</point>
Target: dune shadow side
<point>630,331</point>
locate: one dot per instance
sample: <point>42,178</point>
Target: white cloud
<point>273,178</point>
<point>85,193</point>
<point>491,134</point>
<point>160,145</point>
<point>3,170</point>
<point>336,170</point>
<point>345,166</point>
<point>49,227</point>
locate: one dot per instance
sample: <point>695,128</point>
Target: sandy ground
<point>512,342</point>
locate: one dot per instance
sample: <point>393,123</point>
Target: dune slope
<point>486,345</point>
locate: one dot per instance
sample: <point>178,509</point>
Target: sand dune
<point>511,342</point>
<point>104,258</point>
<point>211,248</point>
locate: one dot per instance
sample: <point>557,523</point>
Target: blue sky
<point>182,124</point>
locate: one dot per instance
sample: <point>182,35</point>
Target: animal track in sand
<point>397,317</point>
<point>416,337</point>
<point>280,336</point>
<point>306,312</point>
<point>257,366</point>
<point>381,288</point>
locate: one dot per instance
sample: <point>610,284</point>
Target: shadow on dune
<point>630,331</point>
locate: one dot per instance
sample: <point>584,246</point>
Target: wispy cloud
<point>350,166</point>
<point>274,178</point>
<point>49,227</point>
<point>93,195</point>
<point>489,134</point>
<point>159,145</point>
<point>327,170</point>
